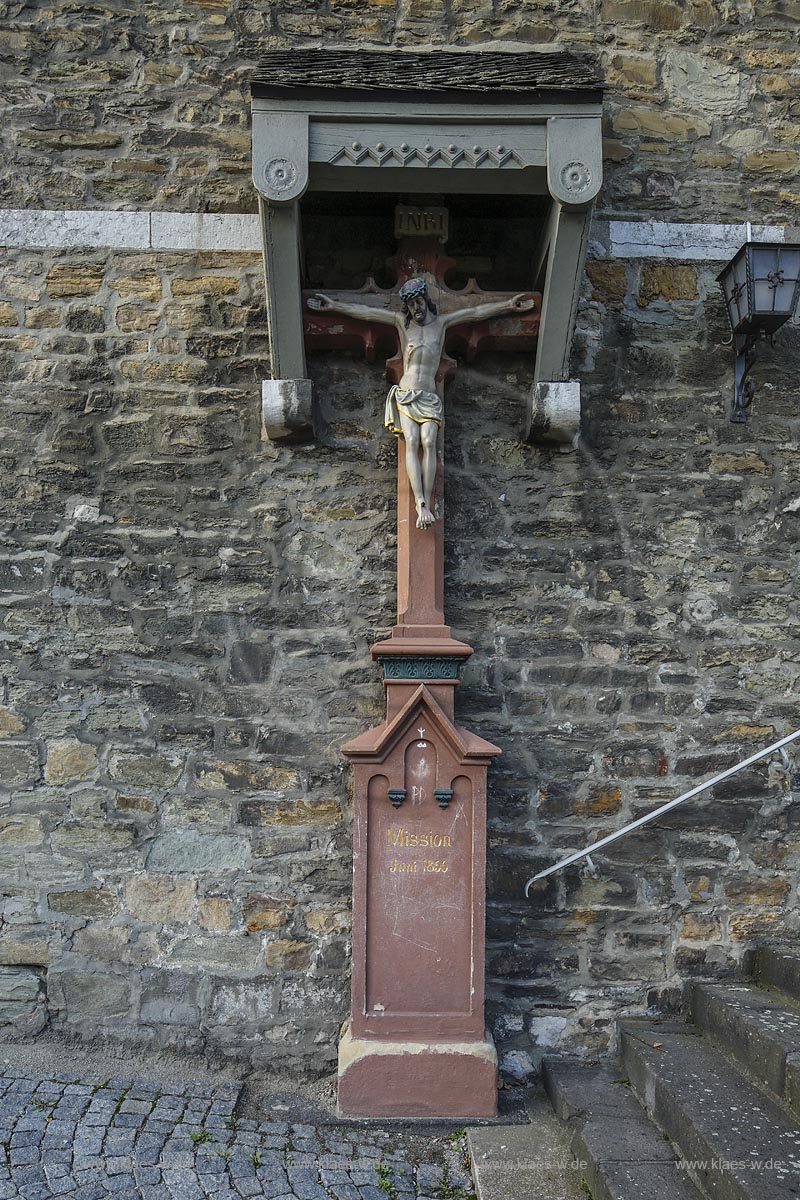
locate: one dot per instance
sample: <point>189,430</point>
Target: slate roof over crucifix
<point>435,71</point>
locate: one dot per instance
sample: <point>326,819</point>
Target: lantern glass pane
<point>786,298</point>
<point>774,278</point>
<point>742,309</point>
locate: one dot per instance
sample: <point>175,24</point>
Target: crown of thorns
<point>412,288</point>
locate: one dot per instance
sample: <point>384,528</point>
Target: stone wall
<point>187,610</point>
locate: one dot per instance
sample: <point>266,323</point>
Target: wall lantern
<point>761,289</point>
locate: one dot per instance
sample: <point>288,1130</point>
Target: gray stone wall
<point>187,611</point>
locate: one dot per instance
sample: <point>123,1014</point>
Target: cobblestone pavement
<point>130,1139</point>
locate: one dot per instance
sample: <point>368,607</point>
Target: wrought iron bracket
<point>745,346</point>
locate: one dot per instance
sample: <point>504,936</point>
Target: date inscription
<point>428,866</point>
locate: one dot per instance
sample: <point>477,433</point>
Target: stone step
<point>738,1144</point>
<point>777,967</point>
<point>622,1154</point>
<point>759,1029</point>
<point>519,1162</point>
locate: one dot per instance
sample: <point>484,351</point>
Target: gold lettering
<point>405,837</point>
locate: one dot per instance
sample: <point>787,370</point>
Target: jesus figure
<point>414,409</point>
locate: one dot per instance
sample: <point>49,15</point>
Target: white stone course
<point>687,240</point>
<point>57,230</point>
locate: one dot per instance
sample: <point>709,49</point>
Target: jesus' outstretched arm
<point>523,302</point>
<point>361,312</point>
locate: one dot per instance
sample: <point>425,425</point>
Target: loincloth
<point>418,405</point>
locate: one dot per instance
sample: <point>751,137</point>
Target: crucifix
<point>414,407</point>
<point>416,1043</point>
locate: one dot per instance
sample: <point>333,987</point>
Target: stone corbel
<point>574,178</point>
<point>287,408</point>
<point>554,415</point>
<point>280,155</point>
<point>574,160</point>
<point>280,173</point>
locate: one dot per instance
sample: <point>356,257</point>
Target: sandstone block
<point>626,70</point>
<point>288,954</point>
<point>748,462</point>
<point>655,14</point>
<point>601,802</point>
<point>70,139</point>
<point>301,812</point>
<point>241,775</point>
<point>757,890</point>
<point>701,888</point>
<point>19,765</point>
<point>214,913</point>
<point>267,912</point>
<point>772,161</point>
<point>744,926</point>
<point>778,85</point>
<point>162,901</point>
<point>43,318</point>
<point>135,317</point>
<point>654,122</point>
<point>609,279</point>
<point>74,279</point>
<point>615,151</point>
<point>24,950</point>
<point>20,830</point>
<point>8,314</point>
<point>184,850</point>
<point>146,285</point>
<point>10,722</point>
<point>205,285</point>
<point>167,73</point>
<point>697,927</point>
<point>146,769</point>
<point>69,760</point>
<point>322,920</point>
<point>667,281</point>
<point>86,902</point>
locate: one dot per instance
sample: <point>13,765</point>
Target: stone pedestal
<point>416,1044</point>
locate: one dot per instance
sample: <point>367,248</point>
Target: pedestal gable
<point>377,745</point>
<point>415,124</point>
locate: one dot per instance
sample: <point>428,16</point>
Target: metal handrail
<point>657,812</point>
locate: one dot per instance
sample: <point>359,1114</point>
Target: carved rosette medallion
<point>576,177</point>
<point>280,174</point>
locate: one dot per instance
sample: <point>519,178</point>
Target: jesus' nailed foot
<point>425,517</point>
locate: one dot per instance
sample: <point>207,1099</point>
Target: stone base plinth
<point>417,1079</point>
